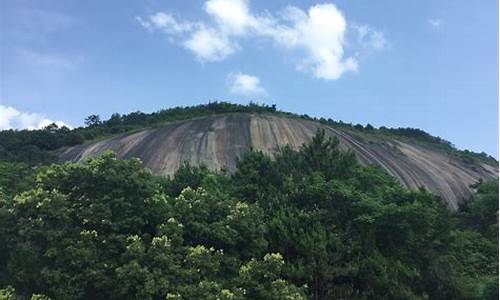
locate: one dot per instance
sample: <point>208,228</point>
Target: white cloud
<point>316,36</point>
<point>11,118</point>
<point>232,16</point>
<point>244,84</point>
<point>320,32</point>
<point>436,24</point>
<point>210,45</point>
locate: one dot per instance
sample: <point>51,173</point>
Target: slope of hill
<point>217,142</point>
<point>307,224</point>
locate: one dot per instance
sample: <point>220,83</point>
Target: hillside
<point>313,214</point>
<point>218,141</point>
<point>307,224</point>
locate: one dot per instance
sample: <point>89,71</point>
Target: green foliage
<point>35,147</point>
<point>481,212</point>
<point>107,230</point>
<point>9,293</point>
<point>262,279</point>
<point>312,224</point>
<point>15,178</point>
<point>94,120</point>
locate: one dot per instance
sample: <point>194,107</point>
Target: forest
<point>307,224</point>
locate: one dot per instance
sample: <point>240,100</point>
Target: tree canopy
<point>308,224</point>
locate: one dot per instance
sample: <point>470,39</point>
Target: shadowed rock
<point>218,141</point>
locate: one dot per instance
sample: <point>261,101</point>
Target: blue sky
<point>426,64</point>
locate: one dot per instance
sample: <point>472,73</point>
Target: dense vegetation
<point>38,147</point>
<point>312,224</point>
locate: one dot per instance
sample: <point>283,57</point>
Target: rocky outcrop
<point>218,141</point>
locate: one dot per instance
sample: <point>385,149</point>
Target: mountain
<point>217,141</point>
<point>307,224</point>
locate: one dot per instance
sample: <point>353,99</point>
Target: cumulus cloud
<point>232,16</point>
<point>435,24</point>
<point>11,118</point>
<point>208,44</point>
<point>316,36</point>
<point>245,84</point>
<point>320,33</point>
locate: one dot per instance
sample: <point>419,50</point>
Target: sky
<point>426,64</point>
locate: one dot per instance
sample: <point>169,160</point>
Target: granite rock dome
<point>218,141</point>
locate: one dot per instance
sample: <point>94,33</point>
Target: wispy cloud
<point>317,36</point>
<point>11,118</point>
<point>369,38</point>
<point>35,24</point>
<point>245,84</point>
<point>165,22</point>
<point>29,34</point>
<point>435,24</point>
<point>49,61</point>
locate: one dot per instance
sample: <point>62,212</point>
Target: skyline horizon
<point>315,117</point>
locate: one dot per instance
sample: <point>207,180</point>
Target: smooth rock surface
<point>218,141</point>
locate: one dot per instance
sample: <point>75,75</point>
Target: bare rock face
<point>218,141</point>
